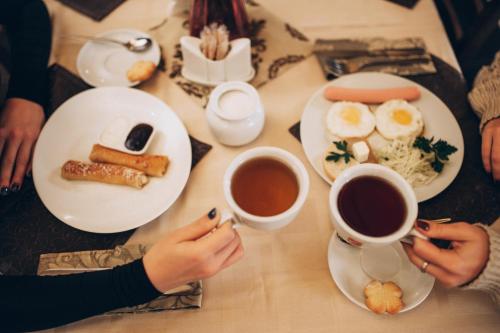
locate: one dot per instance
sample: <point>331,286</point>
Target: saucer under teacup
<point>344,261</point>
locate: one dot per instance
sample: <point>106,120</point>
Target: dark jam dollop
<point>138,137</point>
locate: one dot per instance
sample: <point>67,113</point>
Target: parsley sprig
<point>341,146</point>
<point>441,150</point>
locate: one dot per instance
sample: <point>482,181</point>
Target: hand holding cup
<point>458,265</point>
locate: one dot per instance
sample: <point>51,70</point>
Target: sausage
<point>371,96</point>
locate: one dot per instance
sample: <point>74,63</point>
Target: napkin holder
<point>236,66</point>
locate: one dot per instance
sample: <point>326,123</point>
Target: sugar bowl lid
<point>234,100</point>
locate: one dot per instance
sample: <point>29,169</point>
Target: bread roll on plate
<point>104,173</point>
<point>332,168</point>
<point>141,71</point>
<point>152,165</point>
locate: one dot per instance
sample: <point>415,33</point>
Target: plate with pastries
<point>386,119</point>
<point>111,159</point>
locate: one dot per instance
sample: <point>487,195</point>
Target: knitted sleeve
<point>489,279</point>
<point>485,96</point>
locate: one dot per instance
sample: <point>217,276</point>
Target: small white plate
<point>69,135</point>
<point>439,122</point>
<point>106,64</point>
<point>346,271</point>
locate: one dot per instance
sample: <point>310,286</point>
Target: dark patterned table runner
<point>28,229</point>
<point>405,3</point>
<point>95,9</point>
<point>473,196</point>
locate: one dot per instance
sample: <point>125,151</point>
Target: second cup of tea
<point>235,113</point>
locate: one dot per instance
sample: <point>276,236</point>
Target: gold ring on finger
<point>423,268</point>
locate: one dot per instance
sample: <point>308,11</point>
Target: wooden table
<point>283,284</point>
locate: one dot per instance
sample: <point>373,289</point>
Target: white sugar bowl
<point>235,113</point>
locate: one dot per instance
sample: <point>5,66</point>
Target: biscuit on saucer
<point>141,71</point>
<point>383,297</point>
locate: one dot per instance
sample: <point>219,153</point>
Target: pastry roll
<point>104,173</point>
<point>152,165</point>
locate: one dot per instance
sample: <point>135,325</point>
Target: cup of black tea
<point>265,188</point>
<point>372,205</point>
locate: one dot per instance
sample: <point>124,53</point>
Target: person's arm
<point>196,251</point>
<point>485,100</point>
<point>39,302</point>
<point>27,24</point>
<point>28,29</point>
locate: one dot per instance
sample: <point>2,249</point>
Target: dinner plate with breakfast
<point>111,159</point>
<point>385,119</point>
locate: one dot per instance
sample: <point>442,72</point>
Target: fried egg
<point>398,119</point>
<point>349,120</point>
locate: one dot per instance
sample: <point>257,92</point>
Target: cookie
<point>141,71</point>
<point>383,297</point>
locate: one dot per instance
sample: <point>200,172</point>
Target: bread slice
<point>332,168</point>
<point>383,297</point>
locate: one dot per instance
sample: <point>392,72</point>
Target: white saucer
<point>345,268</point>
<point>204,82</point>
<point>106,64</point>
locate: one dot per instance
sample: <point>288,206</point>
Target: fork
<point>339,67</point>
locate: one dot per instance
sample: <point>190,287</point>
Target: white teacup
<point>358,239</point>
<point>239,216</point>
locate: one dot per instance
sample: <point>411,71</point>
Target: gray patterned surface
<point>184,297</point>
<point>405,57</point>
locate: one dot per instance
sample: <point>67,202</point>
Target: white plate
<point>106,64</point>
<point>70,133</point>
<point>438,122</point>
<point>346,271</point>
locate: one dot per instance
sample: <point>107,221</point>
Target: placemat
<point>28,229</point>
<point>405,3</point>
<point>473,196</point>
<point>187,296</point>
<point>401,56</point>
<point>95,9</point>
<point>276,47</point>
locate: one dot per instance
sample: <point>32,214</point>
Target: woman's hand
<point>490,148</point>
<point>20,124</point>
<point>462,263</point>
<point>196,251</point>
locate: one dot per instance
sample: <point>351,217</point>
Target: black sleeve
<point>38,302</point>
<point>27,24</point>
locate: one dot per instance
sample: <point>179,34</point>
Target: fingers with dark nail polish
<point>4,191</point>
<point>424,225</point>
<point>212,213</point>
<point>15,188</point>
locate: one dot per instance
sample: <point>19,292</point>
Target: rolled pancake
<point>152,165</point>
<point>104,173</point>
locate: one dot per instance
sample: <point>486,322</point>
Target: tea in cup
<point>265,187</point>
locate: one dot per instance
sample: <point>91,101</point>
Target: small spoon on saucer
<point>138,44</point>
